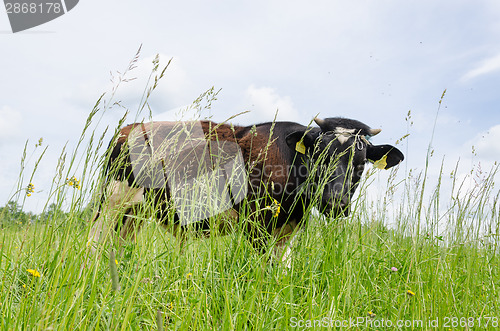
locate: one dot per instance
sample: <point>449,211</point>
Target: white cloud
<point>185,113</point>
<point>264,102</point>
<point>10,122</point>
<point>173,89</point>
<point>487,66</point>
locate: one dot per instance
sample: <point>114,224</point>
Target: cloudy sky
<point>369,60</point>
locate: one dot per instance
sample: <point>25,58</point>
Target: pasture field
<point>343,271</point>
<point>414,257</point>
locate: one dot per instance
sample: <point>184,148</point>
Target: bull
<point>267,176</point>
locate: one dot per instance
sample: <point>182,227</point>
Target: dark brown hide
<point>266,156</point>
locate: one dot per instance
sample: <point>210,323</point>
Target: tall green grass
<point>437,261</point>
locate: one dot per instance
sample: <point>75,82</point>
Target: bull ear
<point>384,156</point>
<point>300,141</point>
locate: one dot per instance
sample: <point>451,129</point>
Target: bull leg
<point>130,226</point>
<point>120,197</point>
<point>285,238</point>
<point>180,233</point>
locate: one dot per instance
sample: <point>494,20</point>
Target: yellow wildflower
<point>371,314</point>
<point>33,272</point>
<point>410,293</point>
<point>73,182</point>
<point>276,207</point>
<point>30,189</point>
<point>189,275</point>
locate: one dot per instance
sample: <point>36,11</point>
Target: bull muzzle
<point>336,208</point>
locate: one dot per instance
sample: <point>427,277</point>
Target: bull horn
<point>374,132</point>
<point>319,121</point>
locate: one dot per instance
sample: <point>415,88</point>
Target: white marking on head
<point>344,134</point>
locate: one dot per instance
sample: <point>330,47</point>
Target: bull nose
<point>337,206</point>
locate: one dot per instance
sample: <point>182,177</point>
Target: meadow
<point>435,266</point>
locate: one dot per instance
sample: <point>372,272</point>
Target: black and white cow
<point>274,172</point>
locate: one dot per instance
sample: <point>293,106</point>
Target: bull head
<point>342,146</point>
